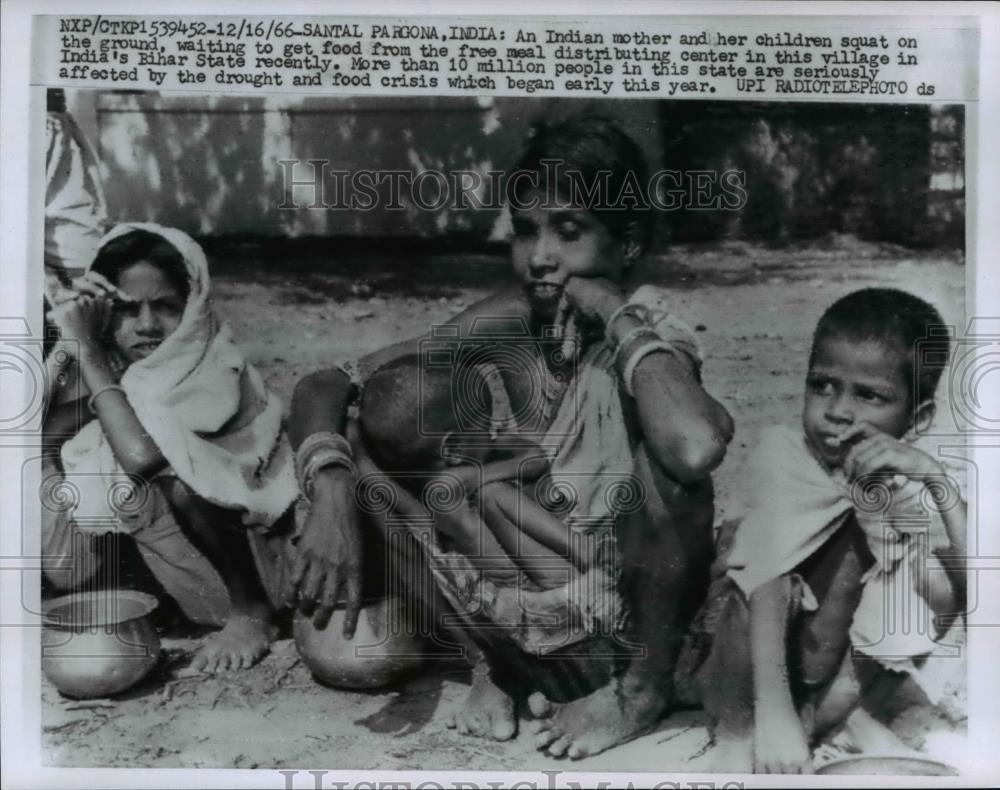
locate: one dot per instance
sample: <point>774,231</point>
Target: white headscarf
<point>203,405</point>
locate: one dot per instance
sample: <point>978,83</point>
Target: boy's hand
<point>780,746</point>
<point>328,557</point>
<point>876,451</point>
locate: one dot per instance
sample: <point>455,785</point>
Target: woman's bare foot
<point>241,643</point>
<point>610,716</point>
<point>488,712</point>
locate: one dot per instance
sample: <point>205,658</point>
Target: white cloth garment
<point>206,409</point>
<point>794,505</point>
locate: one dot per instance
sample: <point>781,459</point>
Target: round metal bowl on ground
<point>96,644</point>
<point>887,765</point>
<point>384,649</point>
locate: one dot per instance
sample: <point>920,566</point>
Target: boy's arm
<point>780,744</point>
<point>529,462</point>
<point>946,592</point>
<point>878,452</point>
<point>329,550</point>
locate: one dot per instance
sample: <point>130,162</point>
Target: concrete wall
<point>210,164</point>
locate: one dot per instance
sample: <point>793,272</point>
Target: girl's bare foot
<point>241,643</point>
<point>488,711</point>
<point>612,715</point>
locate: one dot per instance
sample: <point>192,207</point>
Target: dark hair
<point>591,152</point>
<point>139,245</point>
<point>894,318</point>
<point>407,407</point>
<point>55,100</point>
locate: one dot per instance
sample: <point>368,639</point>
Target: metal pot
<point>384,649</point>
<point>95,644</point>
<point>886,765</point>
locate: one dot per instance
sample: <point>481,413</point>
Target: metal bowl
<point>384,649</point>
<point>100,643</point>
<point>887,765</point>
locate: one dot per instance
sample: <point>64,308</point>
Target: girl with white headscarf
<point>187,448</point>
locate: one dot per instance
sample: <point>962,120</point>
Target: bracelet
<point>319,451</point>
<point>641,333</point>
<point>101,391</point>
<point>638,355</point>
<point>636,311</point>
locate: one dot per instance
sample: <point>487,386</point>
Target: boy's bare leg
<point>818,643</point>
<point>725,682</point>
<point>821,638</point>
<point>512,518</point>
<point>466,534</point>
<point>842,705</point>
<point>218,533</point>
<point>488,711</point>
<point>666,553</point>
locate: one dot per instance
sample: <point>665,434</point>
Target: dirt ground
<point>754,308</point>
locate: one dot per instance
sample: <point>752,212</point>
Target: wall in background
<point>210,163</point>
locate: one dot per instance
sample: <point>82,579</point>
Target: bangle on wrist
<point>321,450</point>
<point>634,311</point>
<point>100,391</point>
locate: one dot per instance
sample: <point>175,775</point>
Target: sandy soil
<point>755,309</point>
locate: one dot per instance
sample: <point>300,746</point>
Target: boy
<point>497,471</point>
<point>831,516</point>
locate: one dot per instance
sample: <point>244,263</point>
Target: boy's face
<point>552,244</point>
<point>850,382</point>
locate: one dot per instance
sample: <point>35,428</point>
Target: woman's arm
<point>63,422</point>
<point>685,429</point>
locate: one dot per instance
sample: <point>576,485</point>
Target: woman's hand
<point>328,557</point>
<point>594,297</point>
<point>82,320</point>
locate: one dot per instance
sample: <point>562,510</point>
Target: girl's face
<point>553,243</point>
<point>139,326</point>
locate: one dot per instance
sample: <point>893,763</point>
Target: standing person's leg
<point>666,553</point>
